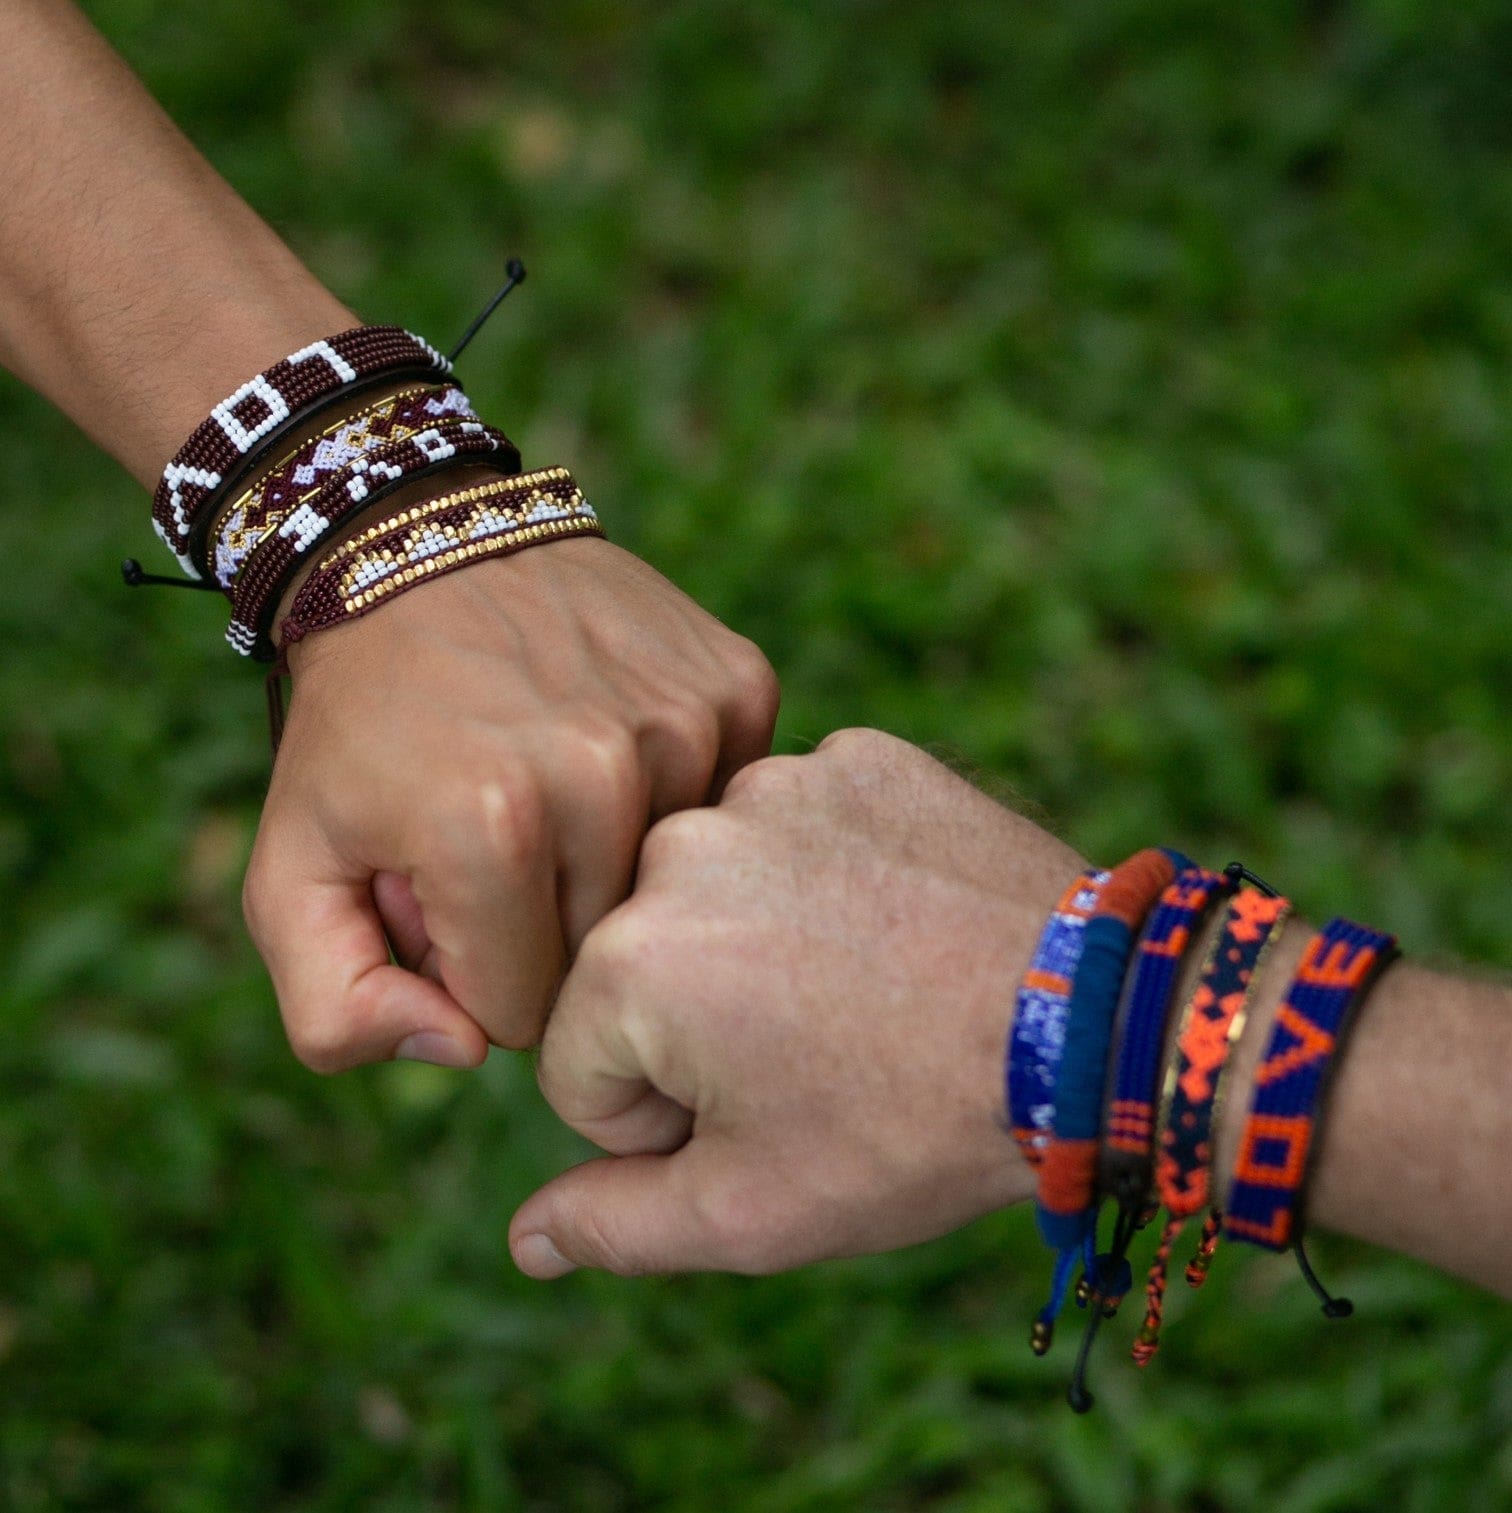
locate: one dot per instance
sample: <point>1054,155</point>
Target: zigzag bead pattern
<point>1039,1022</point>
<point>1341,963</point>
<point>256,592</point>
<point>437,537</point>
<point>295,479</point>
<point>215,454</point>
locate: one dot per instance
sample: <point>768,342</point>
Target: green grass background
<point>1115,393</point>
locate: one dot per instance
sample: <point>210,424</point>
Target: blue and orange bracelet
<point>1096,1118</point>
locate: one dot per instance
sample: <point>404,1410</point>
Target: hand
<point>792,1035</point>
<point>467,773</point>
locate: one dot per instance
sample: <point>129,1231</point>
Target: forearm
<point>1417,1130</point>
<point>136,287</point>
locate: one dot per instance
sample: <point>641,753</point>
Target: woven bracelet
<point>1126,1165</point>
<point>1340,966</point>
<point>295,478</point>
<point>364,481</point>
<point>1065,1206</point>
<point>1210,1026</point>
<point>1039,1020</point>
<point>244,425</point>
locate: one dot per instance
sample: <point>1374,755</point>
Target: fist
<point>791,1036</point>
<point>465,779</point>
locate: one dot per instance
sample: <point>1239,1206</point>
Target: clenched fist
<point>467,773</point>
<point>791,1036</point>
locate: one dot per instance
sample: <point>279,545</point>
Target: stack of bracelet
<point>299,456</point>
<point>1096,1117</point>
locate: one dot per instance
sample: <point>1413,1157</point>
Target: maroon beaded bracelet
<point>435,537</point>
<point>296,478</point>
<point>429,539</point>
<point>261,584</point>
<point>242,428</point>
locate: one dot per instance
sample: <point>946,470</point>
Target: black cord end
<point>1237,872</point>
<point>131,573</point>
<point>1333,1308</point>
<point>515,271</point>
<point>1079,1398</point>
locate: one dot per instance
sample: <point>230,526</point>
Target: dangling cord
<point>1197,1267</point>
<point>1105,1290</point>
<point>273,687</point>
<point>290,632</point>
<point>1114,1274</point>
<point>133,577</point>
<point>1090,1263</point>
<point>1333,1308</point>
<point>1042,1331</point>
<point>515,270</point>
<point>1147,1341</point>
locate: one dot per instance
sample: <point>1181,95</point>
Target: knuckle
<point>756,680</point>
<point>603,1241</point>
<point>857,743</point>
<point>256,900</point>
<point>693,727</point>
<point>769,775</point>
<point>681,837</point>
<point>737,1229</point>
<point>498,814</point>
<point>321,1042</point>
<point>607,759</point>
<point>610,953</point>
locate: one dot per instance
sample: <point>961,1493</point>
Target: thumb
<point>343,1001</point>
<point>642,1215</point>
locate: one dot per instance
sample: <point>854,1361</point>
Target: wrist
<point>1010,949</point>
<point>390,504</point>
<point>227,345</point>
<point>139,389</point>
<point>476,590</point>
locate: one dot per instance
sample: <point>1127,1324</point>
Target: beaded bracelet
<point>1039,1021</point>
<point>1210,1026</point>
<point>436,537</point>
<point>256,592</point>
<point>293,481</point>
<point>1126,1167</point>
<point>1065,1209</point>
<point>1342,963</point>
<point>439,536</point>
<point>223,447</point>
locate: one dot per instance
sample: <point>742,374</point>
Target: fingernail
<point>537,1257</point>
<point>434,1047</point>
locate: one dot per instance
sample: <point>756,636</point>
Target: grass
<point>1112,393</point>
